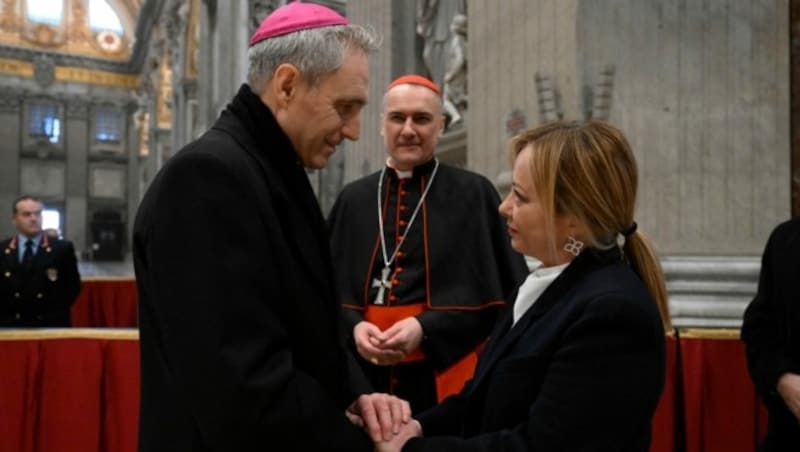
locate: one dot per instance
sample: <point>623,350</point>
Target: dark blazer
<point>771,331</point>
<point>582,370</point>
<point>240,339</point>
<point>43,295</point>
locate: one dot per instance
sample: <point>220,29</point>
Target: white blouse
<point>533,286</point>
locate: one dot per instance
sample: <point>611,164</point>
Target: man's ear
<point>284,84</point>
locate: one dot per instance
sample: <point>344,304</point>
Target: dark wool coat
<point>771,331</point>
<point>240,329</point>
<point>582,370</point>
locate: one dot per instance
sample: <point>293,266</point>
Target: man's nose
<point>408,127</point>
<point>351,129</point>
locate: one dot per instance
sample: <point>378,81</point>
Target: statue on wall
<point>455,80</point>
<point>434,18</point>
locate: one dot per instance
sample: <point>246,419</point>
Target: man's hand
<point>789,389</point>
<point>405,335</point>
<point>381,415</point>
<point>410,430</point>
<point>370,341</point>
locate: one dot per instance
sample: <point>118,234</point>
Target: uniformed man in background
<point>39,278</point>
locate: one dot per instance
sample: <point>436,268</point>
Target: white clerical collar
<point>401,174</point>
<point>533,287</point>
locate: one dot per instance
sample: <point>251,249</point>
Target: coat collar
<point>504,335</point>
<point>250,123</point>
<point>44,243</point>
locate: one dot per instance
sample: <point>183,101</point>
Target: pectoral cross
<point>382,284</point>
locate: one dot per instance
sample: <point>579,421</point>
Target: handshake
<point>386,418</point>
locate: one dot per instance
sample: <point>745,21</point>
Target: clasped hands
<point>389,347</point>
<point>386,418</point>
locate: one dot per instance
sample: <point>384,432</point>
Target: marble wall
<point>700,88</point>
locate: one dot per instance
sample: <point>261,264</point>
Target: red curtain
<point>665,419</point>
<point>720,403</point>
<point>68,393</point>
<point>106,302</point>
<point>78,390</point>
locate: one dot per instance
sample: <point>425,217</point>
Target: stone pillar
<point>77,137</point>
<point>10,130</point>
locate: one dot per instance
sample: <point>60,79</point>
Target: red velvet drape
<point>63,392</point>
<point>664,420</point>
<point>721,409</point>
<point>106,302</point>
<point>78,390</point>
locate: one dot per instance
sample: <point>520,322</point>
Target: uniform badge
<point>52,274</point>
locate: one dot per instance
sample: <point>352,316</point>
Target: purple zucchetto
<point>296,16</point>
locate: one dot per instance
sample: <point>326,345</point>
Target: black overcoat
<point>239,321</point>
<point>582,370</point>
<point>771,331</point>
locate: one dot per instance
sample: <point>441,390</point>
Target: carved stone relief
<point>44,71</point>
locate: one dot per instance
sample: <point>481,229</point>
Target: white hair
<point>316,52</point>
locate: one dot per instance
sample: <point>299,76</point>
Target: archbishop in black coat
<point>581,370</point>
<point>239,320</point>
<point>771,332</point>
<point>41,296</point>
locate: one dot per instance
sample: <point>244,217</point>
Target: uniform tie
<point>27,257</point>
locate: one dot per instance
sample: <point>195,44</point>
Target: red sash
<point>449,381</point>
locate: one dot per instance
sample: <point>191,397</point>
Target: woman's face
<point>527,221</point>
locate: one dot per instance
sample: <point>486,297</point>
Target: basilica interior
<point>95,95</point>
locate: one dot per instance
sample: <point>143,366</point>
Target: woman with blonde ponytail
<point>578,361</point>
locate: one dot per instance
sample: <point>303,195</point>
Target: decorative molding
<point>710,291</point>
<point>16,67</point>
<point>148,15</point>
<point>39,70</point>
<point>94,77</point>
<point>44,71</point>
